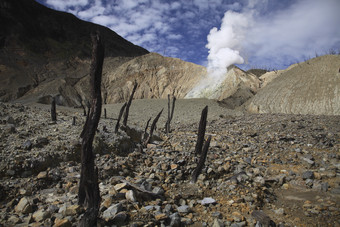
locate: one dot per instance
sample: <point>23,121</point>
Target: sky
<point>269,34</point>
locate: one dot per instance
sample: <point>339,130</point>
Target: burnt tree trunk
<point>105,113</point>
<point>145,130</point>
<point>153,126</point>
<point>84,110</point>
<point>88,194</point>
<point>201,161</point>
<point>201,131</point>
<point>119,117</point>
<point>53,110</point>
<point>127,108</point>
<point>170,114</point>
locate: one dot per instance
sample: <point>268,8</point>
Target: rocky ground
<point>284,167</point>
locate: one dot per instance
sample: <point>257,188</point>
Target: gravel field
<point>259,168</point>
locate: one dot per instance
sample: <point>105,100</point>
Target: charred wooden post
<point>119,117</point>
<point>105,113</point>
<point>74,121</point>
<point>170,114</point>
<point>53,110</point>
<point>167,124</point>
<point>201,161</point>
<point>153,126</point>
<point>88,194</point>
<point>127,108</point>
<point>84,110</point>
<point>145,130</point>
<point>201,131</point>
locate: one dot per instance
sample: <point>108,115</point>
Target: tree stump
<point>88,194</point>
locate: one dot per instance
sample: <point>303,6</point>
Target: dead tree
<point>127,108</point>
<point>74,121</point>
<point>153,126</point>
<point>53,110</point>
<point>105,113</point>
<point>201,161</point>
<point>119,117</point>
<point>84,110</point>
<point>146,128</point>
<point>170,114</point>
<point>201,131</point>
<point>88,194</point>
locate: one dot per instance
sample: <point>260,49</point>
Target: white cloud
<point>271,39</point>
<point>63,5</point>
<point>175,36</point>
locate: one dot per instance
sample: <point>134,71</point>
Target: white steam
<point>269,34</point>
<point>223,45</point>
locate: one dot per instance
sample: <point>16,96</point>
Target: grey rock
<point>130,196</point>
<point>10,128</point>
<point>207,201</point>
<point>158,191</point>
<point>307,175</point>
<point>218,223</point>
<point>10,120</point>
<point>119,218</point>
<point>324,187</point>
<point>183,209</point>
<point>112,211</point>
<point>27,145</point>
<point>41,142</point>
<point>175,220</point>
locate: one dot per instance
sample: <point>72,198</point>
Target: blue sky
<point>216,33</point>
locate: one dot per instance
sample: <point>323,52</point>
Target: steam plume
<point>272,35</point>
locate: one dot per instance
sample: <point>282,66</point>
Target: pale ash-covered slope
<point>157,76</point>
<point>311,87</point>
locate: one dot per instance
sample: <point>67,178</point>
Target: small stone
<point>10,128</point>
<point>150,145</point>
<point>285,186</point>
<point>130,196</point>
<point>27,145</point>
<point>24,206</point>
<point>120,186</point>
<point>73,210</point>
<point>42,175</point>
<point>173,166</point>
<point>112,211</point>
<point>119,218</point>
<point>218,223</point>
<point>280,211</point>
<point>175,220</point>
<point>207,201</point>
<point>308,175</point>
<point>14,220</point>
<point>41,142</point>
<point>161,216</point>
<point>183,209</point>
<point>260,180</point>
<point>62,223</point>
<point>10,120</point>
<point>324,187</point>
<point>158,191</point>
<point>41,215</point>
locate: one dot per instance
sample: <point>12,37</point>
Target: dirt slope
<point>311,87</point>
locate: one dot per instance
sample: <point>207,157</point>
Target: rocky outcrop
<point>231,90</point>
<point>157,76</point>
<point>311,87</point>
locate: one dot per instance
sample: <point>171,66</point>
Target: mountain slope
<point>39,45</point>
<point>311,87</point>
